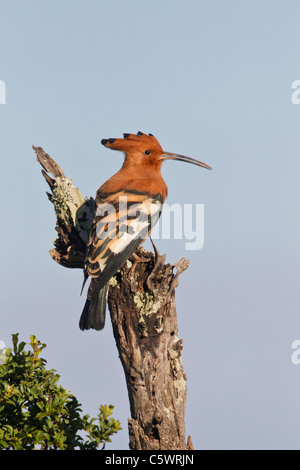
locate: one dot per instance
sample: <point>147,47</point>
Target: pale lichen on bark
<point>71,207</point>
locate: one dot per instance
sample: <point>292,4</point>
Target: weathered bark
<point>141,301</point>
<point>143,314</point>
<point>74,214</point>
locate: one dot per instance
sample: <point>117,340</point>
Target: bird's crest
<point>134,142</point>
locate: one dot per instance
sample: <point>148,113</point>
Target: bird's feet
<point>156,253</point>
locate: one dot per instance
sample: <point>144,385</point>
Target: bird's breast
<point>148,183</point>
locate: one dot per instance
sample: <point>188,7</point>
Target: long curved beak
<point>182,158</point>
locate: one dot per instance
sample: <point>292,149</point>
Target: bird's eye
<point>147,152</point>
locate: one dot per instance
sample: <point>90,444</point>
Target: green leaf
<point>15,341</point>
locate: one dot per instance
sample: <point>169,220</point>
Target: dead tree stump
<point>142,307</point>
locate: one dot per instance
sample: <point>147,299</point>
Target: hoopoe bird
<point>128,205</point>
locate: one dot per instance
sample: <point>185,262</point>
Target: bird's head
<point>142,150</point>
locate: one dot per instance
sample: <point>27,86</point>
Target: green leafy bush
<point>37,413</point>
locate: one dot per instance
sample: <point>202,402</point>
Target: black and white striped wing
<point>122,222</point>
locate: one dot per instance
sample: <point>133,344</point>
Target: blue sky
<point>212,80</point>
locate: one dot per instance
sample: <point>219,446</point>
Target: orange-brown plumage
<point>128,205</point>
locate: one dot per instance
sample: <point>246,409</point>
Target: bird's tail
<point>93,314</point>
